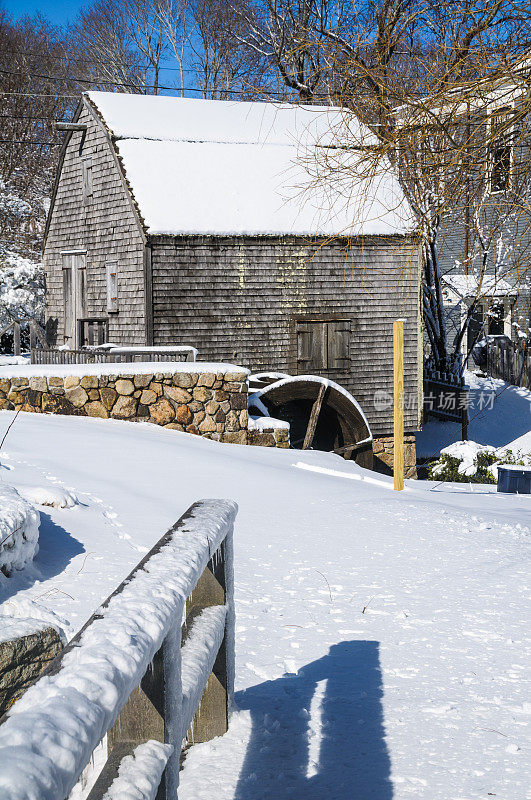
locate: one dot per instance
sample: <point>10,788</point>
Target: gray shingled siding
<point>238,299</point>
<point>107,228</point>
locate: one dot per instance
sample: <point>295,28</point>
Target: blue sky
<point>58,11</point>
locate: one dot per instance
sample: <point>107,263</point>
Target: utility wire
<point>29,143</point>
<point>98,81</point>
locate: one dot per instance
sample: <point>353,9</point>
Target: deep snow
<point>380,636</point>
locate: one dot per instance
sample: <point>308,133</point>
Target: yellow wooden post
<point>398,429</point>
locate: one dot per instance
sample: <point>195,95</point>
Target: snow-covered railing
<point>152,668</point>
<point>113,355</point>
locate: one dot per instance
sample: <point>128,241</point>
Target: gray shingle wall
<point>238,299</point>
<point>107,228</point>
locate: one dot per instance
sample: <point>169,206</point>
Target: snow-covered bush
<point>469,462</point>
<point>21,288</point>
<point>19,531</point>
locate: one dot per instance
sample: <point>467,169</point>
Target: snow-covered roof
<point>469,286</point>
<point>234,168</point>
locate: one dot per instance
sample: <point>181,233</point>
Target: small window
<point>323,345</point>
<point>112,286</point>
<point>87,179</point>
<point>501,152</point>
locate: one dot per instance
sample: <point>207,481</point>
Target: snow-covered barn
<point>216,224</point>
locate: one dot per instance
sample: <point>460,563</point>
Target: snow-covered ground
<point>380,635</point>
<point>498,414</point>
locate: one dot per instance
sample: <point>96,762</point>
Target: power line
<point>80,60</point>
<point>30,143</point>
<point>33,94</point>
<point>98,81</point>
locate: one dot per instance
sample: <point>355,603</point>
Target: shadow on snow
<point>57,548</point>
<point>319,734</point>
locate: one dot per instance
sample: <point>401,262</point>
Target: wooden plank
<point>314,416</point>
<point>319,346</point>
<point>211,719</point>
<point>398,416</point>
<point>142,717</point>
<point>338,344</point>
<point>110,771</point>
<point>16,338</point>
<point>349,447</point>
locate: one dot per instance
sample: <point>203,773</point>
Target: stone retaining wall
<point>22,659</point>
<point>383,451</point>
<point>269,437</point>
<point>207,404</point>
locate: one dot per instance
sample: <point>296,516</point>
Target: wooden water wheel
<point>322,416</point>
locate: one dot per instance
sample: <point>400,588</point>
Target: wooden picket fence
<point>510,361</point>
<point>115,355</point>
<point>187,673</point>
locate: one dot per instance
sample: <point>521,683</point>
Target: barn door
<point>311,345</point>
<point>323,345</point>
<point>338,344</point>
<point>74,295</point>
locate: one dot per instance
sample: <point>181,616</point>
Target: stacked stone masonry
<point>269,437</point>
<point>213,405</point>
<point>21,662</point>
<point>383,449</point>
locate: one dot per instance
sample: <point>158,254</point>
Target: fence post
<point>212,718</point>
<point>33,337</point>
<point>398,426</point>
<point>16,338</point>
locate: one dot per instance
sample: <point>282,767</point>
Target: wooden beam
<point>211,718</point>
<point>346,447</point>
<point>110,771</point>
<point>70,126</point>
<point>16,338</point>
<point>314,416</point>
<point>398,426</point>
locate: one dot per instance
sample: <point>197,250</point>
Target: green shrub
<point>449,467</point>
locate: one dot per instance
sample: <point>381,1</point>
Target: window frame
<point>329,362</point>
<point>87,178</point>
<point>113,302</point>
<point>505,141</point>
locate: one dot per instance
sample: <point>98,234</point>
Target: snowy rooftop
<point>224,168</point>
<point>469,285</point>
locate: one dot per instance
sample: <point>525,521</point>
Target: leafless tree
<point>35,90</point>
<point>119,45</point>
<point>224,63</point>
<point>290,36</point>
<point>428,81</point>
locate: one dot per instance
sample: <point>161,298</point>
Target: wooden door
<point>74,295</point>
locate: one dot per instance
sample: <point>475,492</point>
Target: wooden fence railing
<point>114,355</point>
<point>135,672</point>
<point>37,334</point>
<point>510,361</point>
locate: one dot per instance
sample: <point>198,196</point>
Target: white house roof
<point>233,168</point>
<point>469,286</point>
